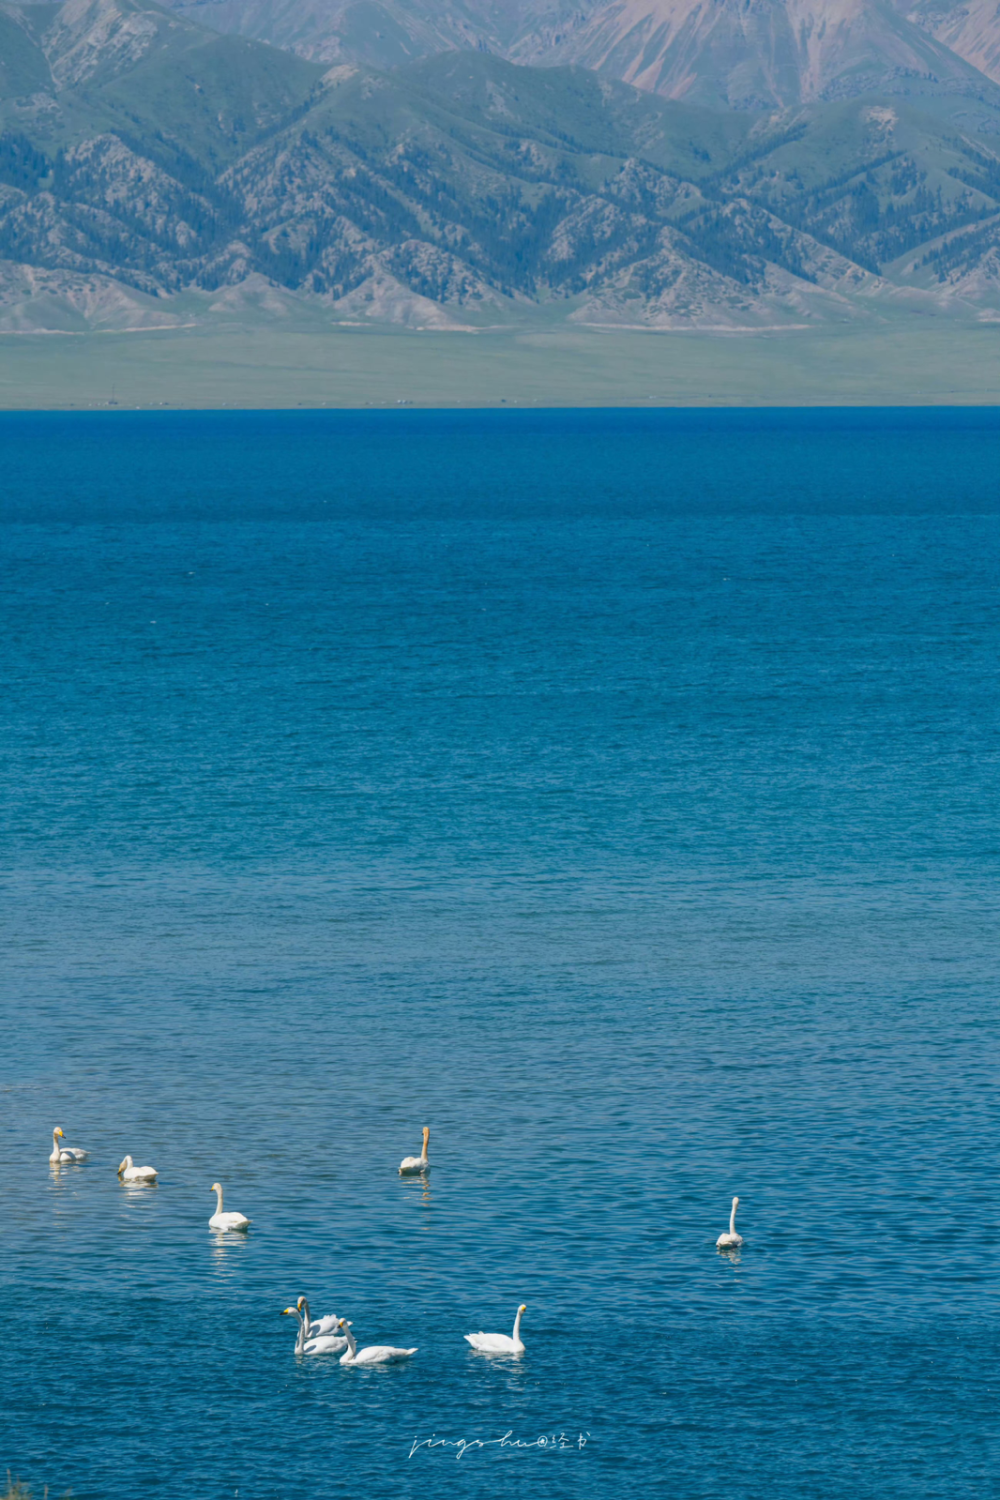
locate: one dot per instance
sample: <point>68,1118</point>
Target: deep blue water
<point>615,793</point>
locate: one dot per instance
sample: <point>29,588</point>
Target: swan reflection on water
<point>138,1192</point>
<point>418,1181</point>
<point>226,1248</point>
<point>61,1175</point>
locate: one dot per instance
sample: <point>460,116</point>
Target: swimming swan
<point>219,1220</point>
<point>417,1163</point>
<point>731,1240</point>
<point>375,1354</point>
<point>304,1344</point>
<point>499,1343</point>
<point>316,1327</point>
<point>64,1153</point>
<point>128,1173</point>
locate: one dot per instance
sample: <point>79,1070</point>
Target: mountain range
<point>647,163</point>
<point>744,54</point>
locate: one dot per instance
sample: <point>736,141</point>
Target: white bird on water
<point>417,1163</point>
<point>128,1173</point>
<point>304,1343</point>
<point>62,1153</point>
<point>375,1354</point>
<point>500,1343</point>
<point>732,1240</point>
<point>220,1220</point>
<point>316,1327</point>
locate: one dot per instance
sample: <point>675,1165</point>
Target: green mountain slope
<point>24,68</point>
<point>178,90</point>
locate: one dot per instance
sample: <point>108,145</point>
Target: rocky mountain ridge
<point>153,171</point>
<point>736,53</point>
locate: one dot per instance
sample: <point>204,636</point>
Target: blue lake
<point>615,793</point>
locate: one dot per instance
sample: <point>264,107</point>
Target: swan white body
<point>731,1240</point>
<point>305,1343</point>
<point>61,1153</point>
<point>128,1173</point>
<point>375,1354</point>
<point>220,1220</point>
<point>417,1163</point>
<point>317,1327</point>
<point>500,1343</point>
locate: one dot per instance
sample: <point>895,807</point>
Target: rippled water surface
<point>614,793</point>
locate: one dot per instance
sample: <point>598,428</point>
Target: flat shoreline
<point>269,367</point>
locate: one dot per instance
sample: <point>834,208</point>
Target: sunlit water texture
<point>614,793</point>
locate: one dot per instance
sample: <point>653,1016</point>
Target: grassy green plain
<point>267,366</point>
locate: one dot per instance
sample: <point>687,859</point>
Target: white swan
<point>219,1220</point>
<point>417,1163</point>
<point>128,1173</point>
<point>64,1153</point>
<point>304,1344</point>
<point>316,1327</point>
<point>500,1343</point>
<point>375,1354</point>
<point>731,1240</point>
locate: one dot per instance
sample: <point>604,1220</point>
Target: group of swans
<point>129,1172</point>
<point>409,1166</point>
<point>316,1336</point>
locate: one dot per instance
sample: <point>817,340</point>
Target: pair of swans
<point>62,1154</point>
<point>411,1165</point>
<point>313,1338</point>
<point>222,1220</point>
<point>128,1172</point>
<point>315,1335</point>
<point>732,1240</point>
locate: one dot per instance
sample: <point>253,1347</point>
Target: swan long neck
<point>300,1342</point>
<point>218,1199</point>
<point>427,1136</point>
<point>517,1327</point>
<point>351,1342</point>
<point>732,1217</point>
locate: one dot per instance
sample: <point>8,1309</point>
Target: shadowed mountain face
<point>144,157</point>
<point>744,54</point>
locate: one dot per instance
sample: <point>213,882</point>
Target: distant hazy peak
<point>970,28</point>
<point>87,36</point>
<point>756,53</point>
